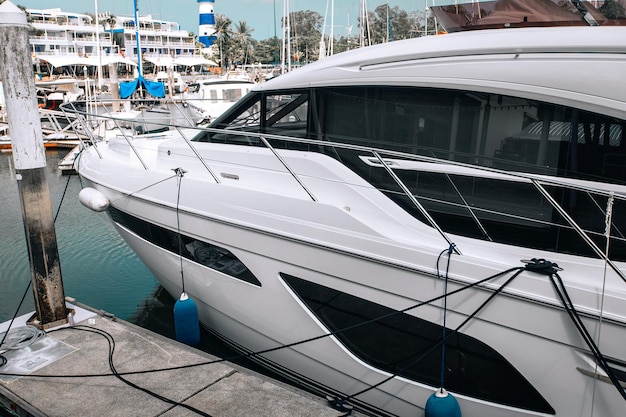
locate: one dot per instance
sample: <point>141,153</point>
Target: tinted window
<point>478,128</point>
<point>485,130</point>
<point>204,253</point>
<point>482,129</point>
<point>286,114</point>
<point>403,344</point>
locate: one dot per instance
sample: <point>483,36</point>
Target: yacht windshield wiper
<point>588,17</point>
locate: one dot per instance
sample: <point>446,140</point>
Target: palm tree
<point>224,36</point>
<point>109,21</point>
<point>242,36</point>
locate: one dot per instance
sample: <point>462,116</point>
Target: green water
<point>97,267</point>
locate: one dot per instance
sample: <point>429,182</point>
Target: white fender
<point>93,199</point>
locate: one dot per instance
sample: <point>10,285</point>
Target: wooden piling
<point>16,69</point>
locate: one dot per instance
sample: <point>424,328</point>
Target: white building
<point>61,39</point>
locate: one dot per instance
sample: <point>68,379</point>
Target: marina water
<point>97,266</point>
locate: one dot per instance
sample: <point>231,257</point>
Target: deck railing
<point>395,164</point>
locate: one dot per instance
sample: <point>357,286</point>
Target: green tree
<point>390,24</point>
<point>223,43</point>
<point>242,42</point>
<point>612,9</point>
<point>305,34</point>
<point>345,43</point>
<point>267,51</point>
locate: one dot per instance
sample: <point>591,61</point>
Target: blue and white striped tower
<point>206,29</point>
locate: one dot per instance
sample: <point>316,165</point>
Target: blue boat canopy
<point>154,88</point>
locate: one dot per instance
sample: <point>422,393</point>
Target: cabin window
<point>476,128</point>
<point>232,94</point>
<point>280,114</point>
<point>286,114</point>
<point>401,343</point>
<point>509,133</point>
<point>245,118</point>
<point>201,252</point>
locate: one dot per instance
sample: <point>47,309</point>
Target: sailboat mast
<point>288,36</point>
<point>332,28</point>
<point>139,71</point>
<point>322,41</point>
<point>98,47</point>
<point>365,29</point>
<point>283,49</point>
<point>388,24</point>
<point>361,30</point>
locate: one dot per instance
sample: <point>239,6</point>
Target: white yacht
<point>441,212</point>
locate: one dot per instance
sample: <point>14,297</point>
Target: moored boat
<point>439,212</point>
<point>215,95</point>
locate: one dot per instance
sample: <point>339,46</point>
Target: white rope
<point>21,337</point>
<point>608,220</point>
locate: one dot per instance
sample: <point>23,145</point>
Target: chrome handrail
<point>539,181</point>
<point>417,204</point>
<point>287,167</point>
<point>580,230</point>
<point>195,151</point>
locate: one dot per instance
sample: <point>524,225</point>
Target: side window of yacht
<point>238,121</point>
<point>249,118</point>
<point>490,130</point>
<point>287,114</point>
<point>418,130</point>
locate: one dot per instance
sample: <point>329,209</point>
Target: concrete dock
<point>58,377</point>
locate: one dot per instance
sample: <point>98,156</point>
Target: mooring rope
<point>179,173</point>
<point>450,250</point>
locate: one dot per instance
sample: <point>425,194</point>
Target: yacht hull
<point>259,318</point>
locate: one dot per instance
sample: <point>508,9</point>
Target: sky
<point>259,14</point>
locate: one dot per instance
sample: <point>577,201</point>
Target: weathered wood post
<point>16,69</point>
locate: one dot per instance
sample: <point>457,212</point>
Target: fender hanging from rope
<point>441,403</point>
<point>186,322</point>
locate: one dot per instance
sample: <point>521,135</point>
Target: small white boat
<point>213,96</point>
<point>172,80</point>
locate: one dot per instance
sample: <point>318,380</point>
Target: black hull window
<point>396,342</point>
<point>204,253</point>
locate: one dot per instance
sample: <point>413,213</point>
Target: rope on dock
<point>21,337</point>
